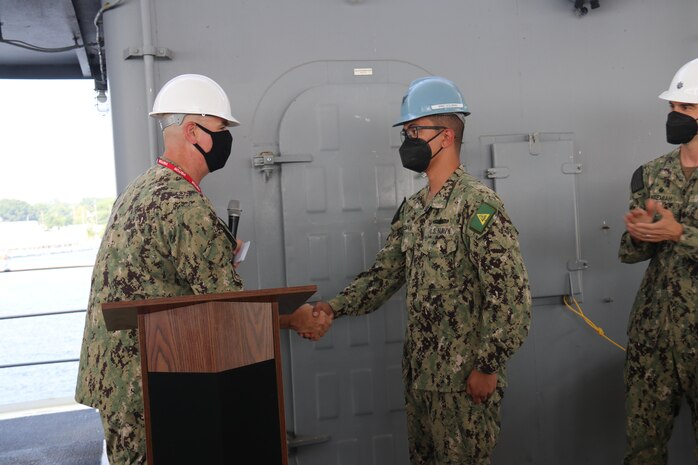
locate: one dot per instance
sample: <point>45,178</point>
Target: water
<point>42,338</point>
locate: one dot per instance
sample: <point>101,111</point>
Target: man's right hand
<point>323,307</point>
<point>310,323</point>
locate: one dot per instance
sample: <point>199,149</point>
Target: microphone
<point>234,217</point>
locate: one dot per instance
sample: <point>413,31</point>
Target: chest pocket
<point>407,247</point>
<point>441,266</point>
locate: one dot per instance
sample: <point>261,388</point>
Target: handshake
<point>309,321</point>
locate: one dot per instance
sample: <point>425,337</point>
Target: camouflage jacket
<point>468,298</point>
<point>163,239</point>
<point>668,295</point>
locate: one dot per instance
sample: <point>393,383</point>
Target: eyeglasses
<point>412,132</point>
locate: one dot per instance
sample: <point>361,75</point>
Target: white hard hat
<point>684,86</point>
<point>193,94</point>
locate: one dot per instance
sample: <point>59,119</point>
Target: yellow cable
<point>588,321</point>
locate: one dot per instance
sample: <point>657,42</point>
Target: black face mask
<point>220,150</point>
<point>415,154</point>
<point>680,128</point>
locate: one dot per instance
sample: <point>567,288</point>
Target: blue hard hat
<point>431,95</point>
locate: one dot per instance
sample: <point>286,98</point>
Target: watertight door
<point>337,210</point>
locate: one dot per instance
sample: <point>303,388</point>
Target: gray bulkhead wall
<point>524,66</point>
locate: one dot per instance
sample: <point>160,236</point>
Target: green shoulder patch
<point>483,217</point>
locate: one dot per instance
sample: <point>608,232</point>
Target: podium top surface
<point>124,314</point>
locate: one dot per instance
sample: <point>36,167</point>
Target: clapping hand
<point>641,226</point>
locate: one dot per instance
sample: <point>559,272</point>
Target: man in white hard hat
<point>454,248</point>
<point>661,365</point>
<point>163,239</point>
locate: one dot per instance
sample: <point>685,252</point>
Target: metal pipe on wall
<point>122,32</point>
<point>149,70</point>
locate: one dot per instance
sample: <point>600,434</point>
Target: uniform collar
<point>440,200</point>
<point>675,156</point>
<point>672,166</point>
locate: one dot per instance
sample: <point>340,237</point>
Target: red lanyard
<point>180,172</point>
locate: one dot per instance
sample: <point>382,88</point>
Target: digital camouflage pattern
<point>468,299</point>
<point>163,239</point>
<point>124,435</point>
<point>662,357</point>
<point>441,424</point>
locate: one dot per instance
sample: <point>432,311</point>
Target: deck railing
<point>36,315</point>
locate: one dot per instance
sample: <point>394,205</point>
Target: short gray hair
<point>168,119</point>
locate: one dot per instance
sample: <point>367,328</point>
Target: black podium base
<point>228,418</point>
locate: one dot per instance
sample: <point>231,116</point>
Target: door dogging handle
<point>294,442</point>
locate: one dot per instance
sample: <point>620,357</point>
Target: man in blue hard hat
<point>468,300</point>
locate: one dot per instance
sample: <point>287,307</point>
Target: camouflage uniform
<point>468,304</point>
<point>163,240</point>
<point>662,359</point>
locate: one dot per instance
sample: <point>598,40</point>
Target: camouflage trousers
<point>124,433</point>
<point>447,428</point>
<point>657,375</point>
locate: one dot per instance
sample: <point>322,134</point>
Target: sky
<point>55,144</point>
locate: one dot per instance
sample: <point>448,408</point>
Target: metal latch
<point>534,147</point>
<point>498,172</point>
<point>571,168</point>
<point>265,161</point>
<point>577,264</point>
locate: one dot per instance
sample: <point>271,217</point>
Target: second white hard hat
<point>684,86</point>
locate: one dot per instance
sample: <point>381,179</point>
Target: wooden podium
<point>212,385</point>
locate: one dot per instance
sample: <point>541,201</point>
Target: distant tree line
<point>57,214</point>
